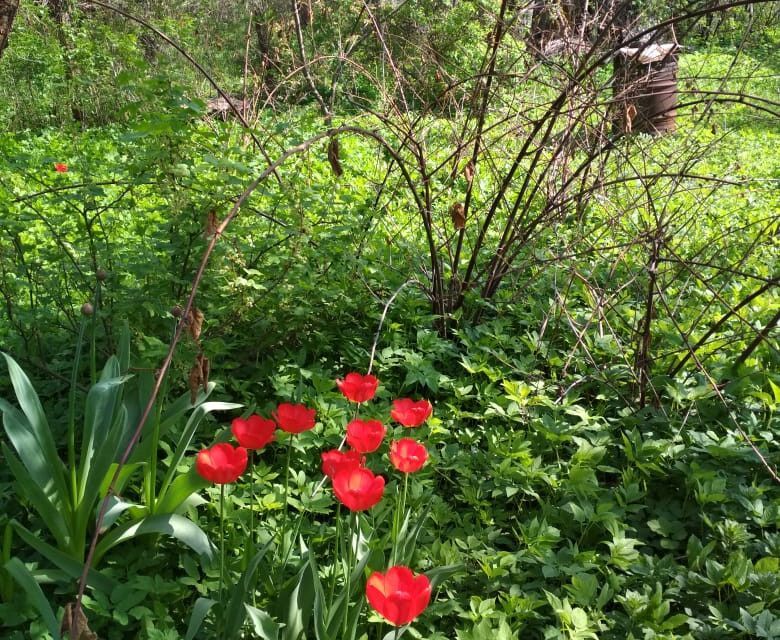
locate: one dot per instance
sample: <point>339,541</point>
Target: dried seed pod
<point>74,623</point>
<point>458,215</point>
<point>629,117</point>
<point>177,311</point>
<point>468,171</point>
<point>212,225</point>
<point>205,369</point>
<point>333,157</point>
<point>194,381</point>
<point>195,323</point>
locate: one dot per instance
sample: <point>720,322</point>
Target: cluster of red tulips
<point>397,595</point>
<point>223,463</point>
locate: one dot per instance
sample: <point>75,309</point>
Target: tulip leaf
<point>179,490</point>
<point>29,433</point>
<point>116,508</point>
<point>300,604</point>
<point>437,575</point>
<point>67,563</point>
<point>189,431</point>
<point>26,580</point>
<point>48,511</point>
<point>179,527</point>
<point>101,437</point>
<point>263,624</point>
<point>199,612</point>
<point>235,613</point>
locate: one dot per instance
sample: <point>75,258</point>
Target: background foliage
<point>590,474</point>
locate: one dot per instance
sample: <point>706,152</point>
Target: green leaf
<point>170,416</point>
<point>115,509</point>
<point>70,565</point>
<point>179,490</point>
<point>50,513</point>
<point>438,575</point>
<point>30,435</point>
<point>26,580</point>
<point>300,604</point>
<point>264,626</point>
<point>189,431</point>
<point>179,527</point>
<point>103,424</point>
<point>235,613</point>
<point>199,613</point>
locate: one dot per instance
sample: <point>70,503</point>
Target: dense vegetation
<point>458,205</point>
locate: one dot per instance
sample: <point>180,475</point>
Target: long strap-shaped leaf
<point>30,435</point>
<point>179,527</point>
<point>47,510</point>
<point>26,580</point>
<point>68,564</point>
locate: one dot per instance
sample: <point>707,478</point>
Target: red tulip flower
<point>60,167</point>
<point>335,461</point>
<point>357,387</point>
<point>221,464</point>
<point>294,418</point>
<point>408,455</point>
<point>411,413</point>
<point>253,432</point>
<point>365,436</point>
<point>398,595</point>
<point>358,489</point>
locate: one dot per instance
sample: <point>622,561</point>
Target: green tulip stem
<point>398,518</point>
<point>221,541</point>
<point>286,493</point>
<point>251,545</point>
<point>336,556</point>
<point>348,575</point>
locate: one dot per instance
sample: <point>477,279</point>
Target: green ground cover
<point>554,503</point>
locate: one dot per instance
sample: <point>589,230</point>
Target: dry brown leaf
<point>458,215</point>
<point>75,627</point>
<point>195,323</point>
<point>195,381</point>
<point>468,171</point>
<point>630,115</point>
<point>212,224</point>
<point>205,369</point>
<point>333,157</point>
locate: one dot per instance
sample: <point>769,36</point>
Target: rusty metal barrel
<point>645,88</point>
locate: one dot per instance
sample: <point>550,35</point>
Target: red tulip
<point>334,461</point>
<point>365,436</point>
<point>253,432</point>
<point>60,167</point>
<point>408,455</point>
<point>294,418</point>
<point>410,413</point>
<point>221,464</point>
<point>398,596</point>
<point>358,489</point>
<point>357,387</point>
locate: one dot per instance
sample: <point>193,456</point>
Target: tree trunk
<point>7,14</point>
